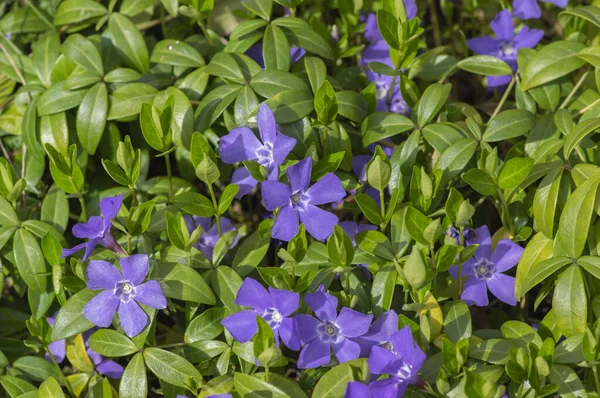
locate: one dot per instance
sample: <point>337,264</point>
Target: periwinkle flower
<point>210,233</point>
<point>401,364</point>
<point>256,53</point>
<point>356,389</point>
<point>380,334</point>
<point>97,229</point>
<point>57,348</point>
<point>506,45</point>
<point>530,9</point>
<point>469,235</point>
<point>275,306</point>
<point>298,202</point>
<point>329,331</point>
<point>241,144</point>
<point>123,291</point>
<point>484,270</point>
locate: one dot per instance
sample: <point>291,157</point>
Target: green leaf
<point>182,282</point>
<point>494,351</point>
<point>578,133</point>
<point>262,8</point>
<point>300,34</point>
<point>253,249</point>
<point>171,367</point>
<point>457,321</point>
<point>381,125</point>
<point>528,273</point>
<point>569,384</point>
<point>83,52</point>
<point>575,220</point>
<point>37,368</point>
<point>194,203</point>
<point>326,103</point>
<point>134,382</point>
<point>433,99</point>
<point>509,124</point>
<point>316,71</point>
<point>8,217</point>
<point>226,198</point>
<point>45,53</point>
<point>77,11</point>
<point>16,387</point>
<point>70,320</point>
<point>514,172</point>
<point>265,350</point>
<point>150,122</point>
<point>554,60</point>
<point>389,28</point>
<point>110,343</point>
<point>276,49</point>
<point>352,105</point>
<point>226,283</point>
<point>379,170</point>
<point>214,104</point>
<point>245,104</point>
<point>481,181</point>
<point>22,20</point>
<point>224,65</point>
<point>545,202</point>
<point>485,65</point>
<point>206,326</point>
<point>91,117</point>
<point>415,269</point>
<point>590,264</point>
<point>176,53</point>
<point>126,101</point>
<point>290,106</point>
<point>129,42</point>
<point>30,260</point>
<point>272,82</point>
<point>252,387</point>
<point>376,243</point>
<point>569,302</point>
<point>122,75</point>
<point>333,383</point>
<point>415,223</point>
<point>57,100</point>
<point>50,389</point>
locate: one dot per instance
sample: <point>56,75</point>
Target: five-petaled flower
<point>241,144</point>
<point>275,306</point>
<point>402,365</point>
<point>506,45</point>
<point>380,333</point>
<point>298,202</point>
<point>329,330</point>
<point>210,234</point>
<point>97,229</point>
<point>484,270</point>
<point>122,291</point>
<point>529,9</point>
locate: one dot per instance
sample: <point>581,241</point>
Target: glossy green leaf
<point>485,65</point>
<point>569,302</point>
<point>110,343</point>
<point>171,367</point>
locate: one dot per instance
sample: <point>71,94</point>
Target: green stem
<point>53,359</point>
<point>174,345</point>
<point>508,219</point>
<point>461,241</point>
<point>381,200</point>
<point>168,162</point>
<point>504,98</point>
<point>596,377</point>
<point>129,244</point>
<point>216,206</point>
<point>83,208</point>
<point>133,195</point>
<point>391,90</point>
<point>205,33</point>
<point>348,293</point>
<point>574,90</point>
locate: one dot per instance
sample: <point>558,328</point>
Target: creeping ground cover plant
<point>300,198</point>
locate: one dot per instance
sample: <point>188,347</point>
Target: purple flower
<point>506,45</point>
<point>122,291</point>
<point>380,333</point>
<point>256,53</point>
<point>298,202</point>
<point>402,364</point>
<point>275,306</point>
<point>484,270</point>
<point>329,331</point>
<point>469,235</point>
<point>97,229</point>
<point>241,144</point>
<point>57,348</point>
<point>356,389</point>
<point>529,9</point>
<point>210,234</point>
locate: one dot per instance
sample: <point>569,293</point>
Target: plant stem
<point>83,208</point>
<point>596,377</point>
<point>587,108</point>
<point>205,33</point>
<point>53,359</point>
<point>437,38</point>
<point>381,200</point>
<point>174,345</point>
<point>168,162</point>
<point>214,200</point>
<point>348,293</point>
<point>504,98</point>
<point>12,63</point>
<point>133,195</point>
<point>574,90</point>
<point>508,219</point>
<point>151,24</point>
<point>391,89</point>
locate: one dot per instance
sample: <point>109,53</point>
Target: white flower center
<point>485,269</point>
<point>127,288</point>
<point>507,49</point>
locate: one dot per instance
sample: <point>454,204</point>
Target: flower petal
<point>286,224</point>
<point>266,124</point>
<point>252,294</point>
<point>405,347</point>
<point>381,331</point>
<point>69,252</point>
<point>503,25</point>
<point>109,207</point>
<point>378,51</point>
<point>387,388</point>
<point>475,292</point>
<point>484,240</point>
<point>242,178</point>
<point>359,166</point>
<point>526,9</point>
<point>371,28</point>
<point>58,349</point>
<point>307,327</point>
<point>498,81</point>
<point>151,294</point>
<point>346,350</point>
<point>506,255</point>
<point>328,189</point>
<point>110,369</point>
<point>90,245</point>
<point>356,389</point>
<point>282,147</point>
<point>484,45</point>
<point>382,361</point>
<point>288,331</point>
<point>239,145</point>
<point>318,222</point>
<point>296,53</point>
<point>93,228</point>
<point>503,287</point>
<point>411,8</point>
<point>558,3</point>
<point>242,325</point>
<point>285,301</point>
<point>299,174</point>
<point>135,268</point>
<point>323,304</point>
<point>528,38</point>
<point>100,310</point>
<point>314,354</point>
<point>353,323</point>
<point>132,317</point>
<point>275,194</point>
<point>102,275</point>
